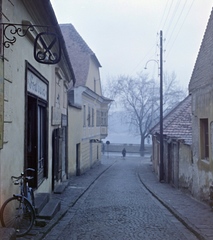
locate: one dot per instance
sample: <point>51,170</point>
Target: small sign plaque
<point>36,86</point>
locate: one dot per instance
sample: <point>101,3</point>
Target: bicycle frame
<point>21,207</point>
<point>25,191</point>
<point>21,197</point>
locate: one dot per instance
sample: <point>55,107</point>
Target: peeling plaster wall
<point>185,167</point>
<point>201,90</point>
<point>155,155</point>
<point>202,103</point>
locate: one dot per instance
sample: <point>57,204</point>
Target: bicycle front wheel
<point>17,213</point>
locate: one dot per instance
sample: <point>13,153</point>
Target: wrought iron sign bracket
<point>47,45</point>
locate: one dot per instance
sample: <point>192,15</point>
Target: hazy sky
<point>124,34</point>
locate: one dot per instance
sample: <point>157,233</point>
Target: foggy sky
<point>123,33</point>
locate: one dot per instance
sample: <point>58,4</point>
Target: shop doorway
<point>59,156</point>
<point>36,143</point>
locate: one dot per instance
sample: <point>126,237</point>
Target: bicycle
<point>19,211</point>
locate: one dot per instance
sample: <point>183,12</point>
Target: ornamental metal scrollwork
<point>10,30</point>
<point>47,45</point>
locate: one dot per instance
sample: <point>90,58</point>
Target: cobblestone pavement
<point>117,206</point>
<point>197,216</point>
<point>130,209</point>
<point>76,188</point>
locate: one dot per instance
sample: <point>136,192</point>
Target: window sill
<point>206,161</point>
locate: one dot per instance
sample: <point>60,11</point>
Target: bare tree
<point>140,101</point>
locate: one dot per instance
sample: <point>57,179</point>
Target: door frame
<point>33,77</point>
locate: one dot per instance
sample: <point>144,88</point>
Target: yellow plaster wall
<point>15,57</point>
<point>93,78</point>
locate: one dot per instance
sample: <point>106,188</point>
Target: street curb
<point>181,218</point>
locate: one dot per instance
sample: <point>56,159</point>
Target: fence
<point>130,148</point>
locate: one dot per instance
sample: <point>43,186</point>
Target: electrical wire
<point>169,38</point>
<point>145,57</point>
<point>173,16</point>
<point>180,28</point>
<point>169,15</point>
<point>171,3</point>
<point>163,14</point>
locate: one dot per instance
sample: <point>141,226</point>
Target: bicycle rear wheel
<point>17,213</point>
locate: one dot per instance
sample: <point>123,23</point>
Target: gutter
<point>54,19</point>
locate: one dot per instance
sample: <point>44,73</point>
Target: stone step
<point>50,209</point>
<point>41,199</point>
<point>61,187</point>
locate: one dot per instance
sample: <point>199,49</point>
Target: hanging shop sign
<point>47,45</point>
<point>46,55</point>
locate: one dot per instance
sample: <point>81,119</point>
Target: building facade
<point>201,89</point>
<point>177,141</point>
<point>35,75</point>
<point>196,171</point>
<point>87,105</point>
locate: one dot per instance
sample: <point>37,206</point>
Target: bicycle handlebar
<point>29,169</point>
<point>23,176</point>
<point>17,178</point>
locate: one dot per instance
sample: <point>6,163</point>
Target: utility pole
<point>161,167</point>
<point>161,175</point>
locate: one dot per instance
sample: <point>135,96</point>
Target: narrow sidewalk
<point>196,216</point>
<point>76,187</point>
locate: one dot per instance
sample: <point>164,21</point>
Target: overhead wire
<point>156,55</point>
<point>164,11</point>
<point>145,56</point>
<point>176,22</point>
<point>180,27</point>
<point>156,43</point>
<point>169,15</point>
<point>173,15</point>
<point>171,3</point>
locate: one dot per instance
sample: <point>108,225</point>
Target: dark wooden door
<point>32,138</point>
<point>57,156</point>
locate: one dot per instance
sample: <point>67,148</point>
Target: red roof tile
<point>177,123</point>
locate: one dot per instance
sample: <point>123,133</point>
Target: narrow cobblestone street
<point>117,206</point>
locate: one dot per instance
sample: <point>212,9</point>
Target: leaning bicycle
<point>19,211</point>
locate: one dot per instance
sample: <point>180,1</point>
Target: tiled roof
<point>79,53</point>
<point>178,123</point>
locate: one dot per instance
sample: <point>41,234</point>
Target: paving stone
<point>7,234</point>
<point>194,215</point>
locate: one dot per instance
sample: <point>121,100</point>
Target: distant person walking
<point>103,148</point>
<point>124,153</point>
